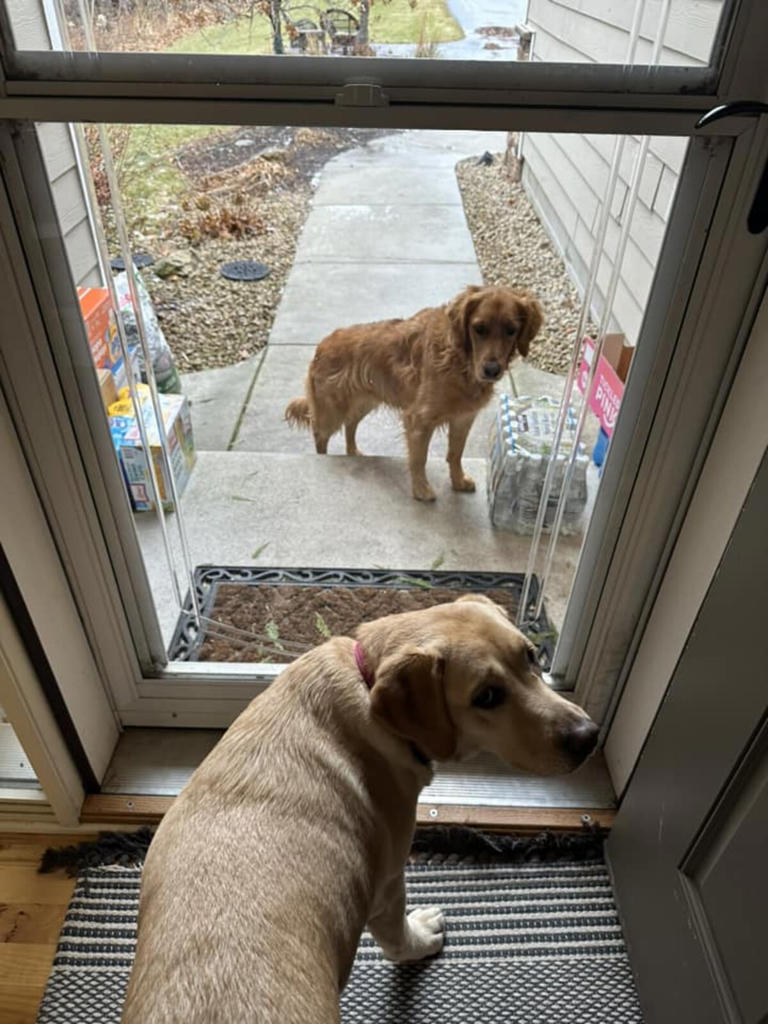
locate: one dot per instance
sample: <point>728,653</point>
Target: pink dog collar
<point>362,667</point>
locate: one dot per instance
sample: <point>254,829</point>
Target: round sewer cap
<point>140,259</point>
<point>244,270</point>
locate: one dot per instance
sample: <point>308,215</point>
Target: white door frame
<point>729,471</point>
<point>42,585</point>
<point>703,309</point>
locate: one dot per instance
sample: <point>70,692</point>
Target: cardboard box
<point>100,325</point>
<point>107,387</point>
<point>118,371</point>
<point>610,376</point>
<point>177,425</point>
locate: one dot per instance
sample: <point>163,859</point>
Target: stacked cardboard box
<point>101,327</point>
<point>177,429</point>
<point>607,385</point>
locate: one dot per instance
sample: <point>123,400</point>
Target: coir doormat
<point>253,614</point>
<point>532,937</point>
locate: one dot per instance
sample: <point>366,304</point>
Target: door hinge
<point>362,94</point>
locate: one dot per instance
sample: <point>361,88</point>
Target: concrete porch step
<point>256,508</point>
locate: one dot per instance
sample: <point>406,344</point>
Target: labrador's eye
<point>511,330</point>
<point>488,698</point>
<point>480,329</point>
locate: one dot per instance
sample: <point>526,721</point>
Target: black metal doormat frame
<point>188,638</point>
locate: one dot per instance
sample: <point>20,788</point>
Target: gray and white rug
<point>532,943</point>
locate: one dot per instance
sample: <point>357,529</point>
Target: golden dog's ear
<point>408,697</point>
<point>459,312</point>
<point>482,599</point>
<point>534,318</point>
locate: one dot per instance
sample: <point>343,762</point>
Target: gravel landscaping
<point>247,193</point>
<point>513,248</point>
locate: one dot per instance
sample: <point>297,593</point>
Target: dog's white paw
<point>425,934</point>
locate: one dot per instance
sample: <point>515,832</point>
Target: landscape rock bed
<point>249,195</point>
<point>513,248</point>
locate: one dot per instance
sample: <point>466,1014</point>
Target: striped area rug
<point>533,943</point>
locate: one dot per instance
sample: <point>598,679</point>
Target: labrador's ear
<point>534,318</point>
<point>459,311</point>
<point>482,599</point>
<point>408,697</point>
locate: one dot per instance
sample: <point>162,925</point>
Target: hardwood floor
<point>32,909</point>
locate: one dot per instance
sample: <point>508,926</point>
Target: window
<point>567,124</point>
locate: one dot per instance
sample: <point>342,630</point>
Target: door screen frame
<point>692,336</point>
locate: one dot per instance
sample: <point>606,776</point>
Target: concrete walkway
<point>386,236</point>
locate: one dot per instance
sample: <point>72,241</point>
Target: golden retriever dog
<point>292,835</point>
<point>438,369</point>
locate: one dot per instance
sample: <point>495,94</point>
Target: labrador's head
<point>460,678</point>
<point>492,325</point>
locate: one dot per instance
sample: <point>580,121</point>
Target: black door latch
<point>757,218</point>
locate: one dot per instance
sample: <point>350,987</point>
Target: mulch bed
<point>294,611</point>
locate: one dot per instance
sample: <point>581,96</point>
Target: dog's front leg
<point>418,437</point>
<point>458,431</point>
<point>405,936</point>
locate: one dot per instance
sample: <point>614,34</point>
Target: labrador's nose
<point>580,739</point>
<point>492,370</point>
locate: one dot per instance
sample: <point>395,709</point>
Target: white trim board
<point>35,727</point>
<point>737,449</point>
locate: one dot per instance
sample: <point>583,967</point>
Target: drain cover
<point>140,259</point>
<point>244,270</point>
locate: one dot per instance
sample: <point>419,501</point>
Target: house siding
<point>59,155</point>
<point>565,175</point>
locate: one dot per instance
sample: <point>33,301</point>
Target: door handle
<point>757,218</point>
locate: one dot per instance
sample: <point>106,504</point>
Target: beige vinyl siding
<point>57,144</point>
<point>70,199</point>
<point>597,30</point>
<point>565,175</point>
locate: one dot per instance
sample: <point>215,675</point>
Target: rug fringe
<point>435,845</point>
<point>459,844</point>
<point>124,848</point>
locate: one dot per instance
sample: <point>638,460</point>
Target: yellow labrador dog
<point>292,835</point>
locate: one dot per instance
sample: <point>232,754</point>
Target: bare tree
<point>272,9</point>
<point>365,9</point>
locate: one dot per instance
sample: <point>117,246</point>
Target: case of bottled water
<point>520,450</point>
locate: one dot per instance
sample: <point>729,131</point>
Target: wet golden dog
<point>292,835</point>
<point>438,368</point>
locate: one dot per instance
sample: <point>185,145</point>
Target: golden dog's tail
<point>297,413</point>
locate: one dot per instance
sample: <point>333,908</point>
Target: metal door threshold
<point>158,762</point>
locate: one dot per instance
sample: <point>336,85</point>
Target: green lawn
<point>397,22</point>
<point>390,22</point>
<point>151,184</point>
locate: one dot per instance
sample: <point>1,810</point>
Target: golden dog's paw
<point>465,484</point>
<point>425,934</point>
<point>423,492</point>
